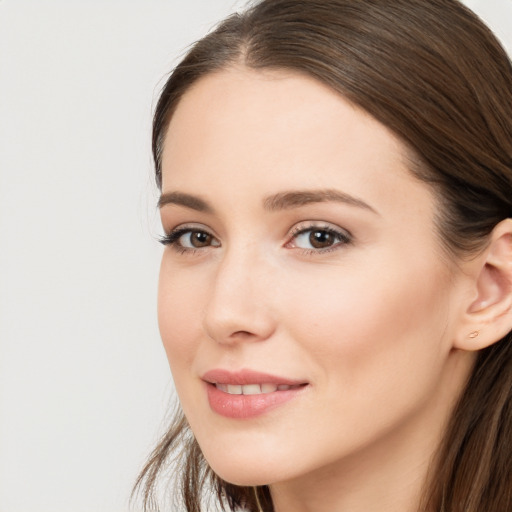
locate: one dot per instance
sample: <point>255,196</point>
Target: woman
<point>336,289</point>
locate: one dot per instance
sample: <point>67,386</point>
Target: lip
<point>246,376</point>
<point>248,406</point>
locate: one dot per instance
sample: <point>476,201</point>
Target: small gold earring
<point>474,334</point>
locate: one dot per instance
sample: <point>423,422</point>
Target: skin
<point>369,323</point>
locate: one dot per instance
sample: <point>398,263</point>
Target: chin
<point>246,471</point>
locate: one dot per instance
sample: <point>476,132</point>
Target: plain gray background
<point>84,383</point>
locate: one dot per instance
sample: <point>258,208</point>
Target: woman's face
<point>305,304</point>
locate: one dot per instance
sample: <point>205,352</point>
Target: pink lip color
<point>247,406</point>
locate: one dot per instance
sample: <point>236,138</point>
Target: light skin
<point>308,250</point>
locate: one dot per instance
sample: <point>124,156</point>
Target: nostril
<point>242,334</point>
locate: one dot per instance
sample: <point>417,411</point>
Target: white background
<point>84,383</point>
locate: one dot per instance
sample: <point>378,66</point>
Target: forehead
<point>245,98</point>
<point>250,130</point>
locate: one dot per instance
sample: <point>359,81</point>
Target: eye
<point>318,238</point>
<point>189,239</point>
<point>195,239</point>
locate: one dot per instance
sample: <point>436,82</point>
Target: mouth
<point>254,389</point>
<point>249,382</point>
<point>246,394</point>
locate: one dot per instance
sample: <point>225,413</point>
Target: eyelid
<point>171,238</point>
<point>343,234</point>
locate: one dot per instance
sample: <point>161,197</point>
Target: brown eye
<point>189,239</point>
<point>199,239</point>
<point>318,239</point>
<point>321,239</point>
<point>196,239</point>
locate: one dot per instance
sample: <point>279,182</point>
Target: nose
<point>239,306</point>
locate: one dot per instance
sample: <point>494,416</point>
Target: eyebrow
<point>187,200</point>
<point>281,201</point>
<point>297,198</point>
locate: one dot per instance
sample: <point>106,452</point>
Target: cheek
<point>368,328</point>
<point>179,304</point>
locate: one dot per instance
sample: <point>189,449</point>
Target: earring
<point>474,334</point>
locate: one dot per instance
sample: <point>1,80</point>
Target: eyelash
<point>172,239</point>
<point>344,237</point>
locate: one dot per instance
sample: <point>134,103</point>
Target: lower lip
<point>248,406</point>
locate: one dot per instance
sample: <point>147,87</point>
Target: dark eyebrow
<point>187,200</point>
<point>280,201</point>
<point>297,198</point>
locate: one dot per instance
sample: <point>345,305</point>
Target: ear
<point>488,317</point>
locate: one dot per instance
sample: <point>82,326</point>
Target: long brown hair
<point>434,74</point>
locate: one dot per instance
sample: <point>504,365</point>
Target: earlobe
<point>489,315</point>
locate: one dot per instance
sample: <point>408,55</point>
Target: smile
<point>246,394</point>
<point>253,389</point>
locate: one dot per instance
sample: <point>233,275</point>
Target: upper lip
<point>246,376</point>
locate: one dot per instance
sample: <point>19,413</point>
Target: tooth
<point>283,387</point>
<point>222,387</point>
<point>234,389</point>
<point>251,389</point>
<point>268,388</point>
